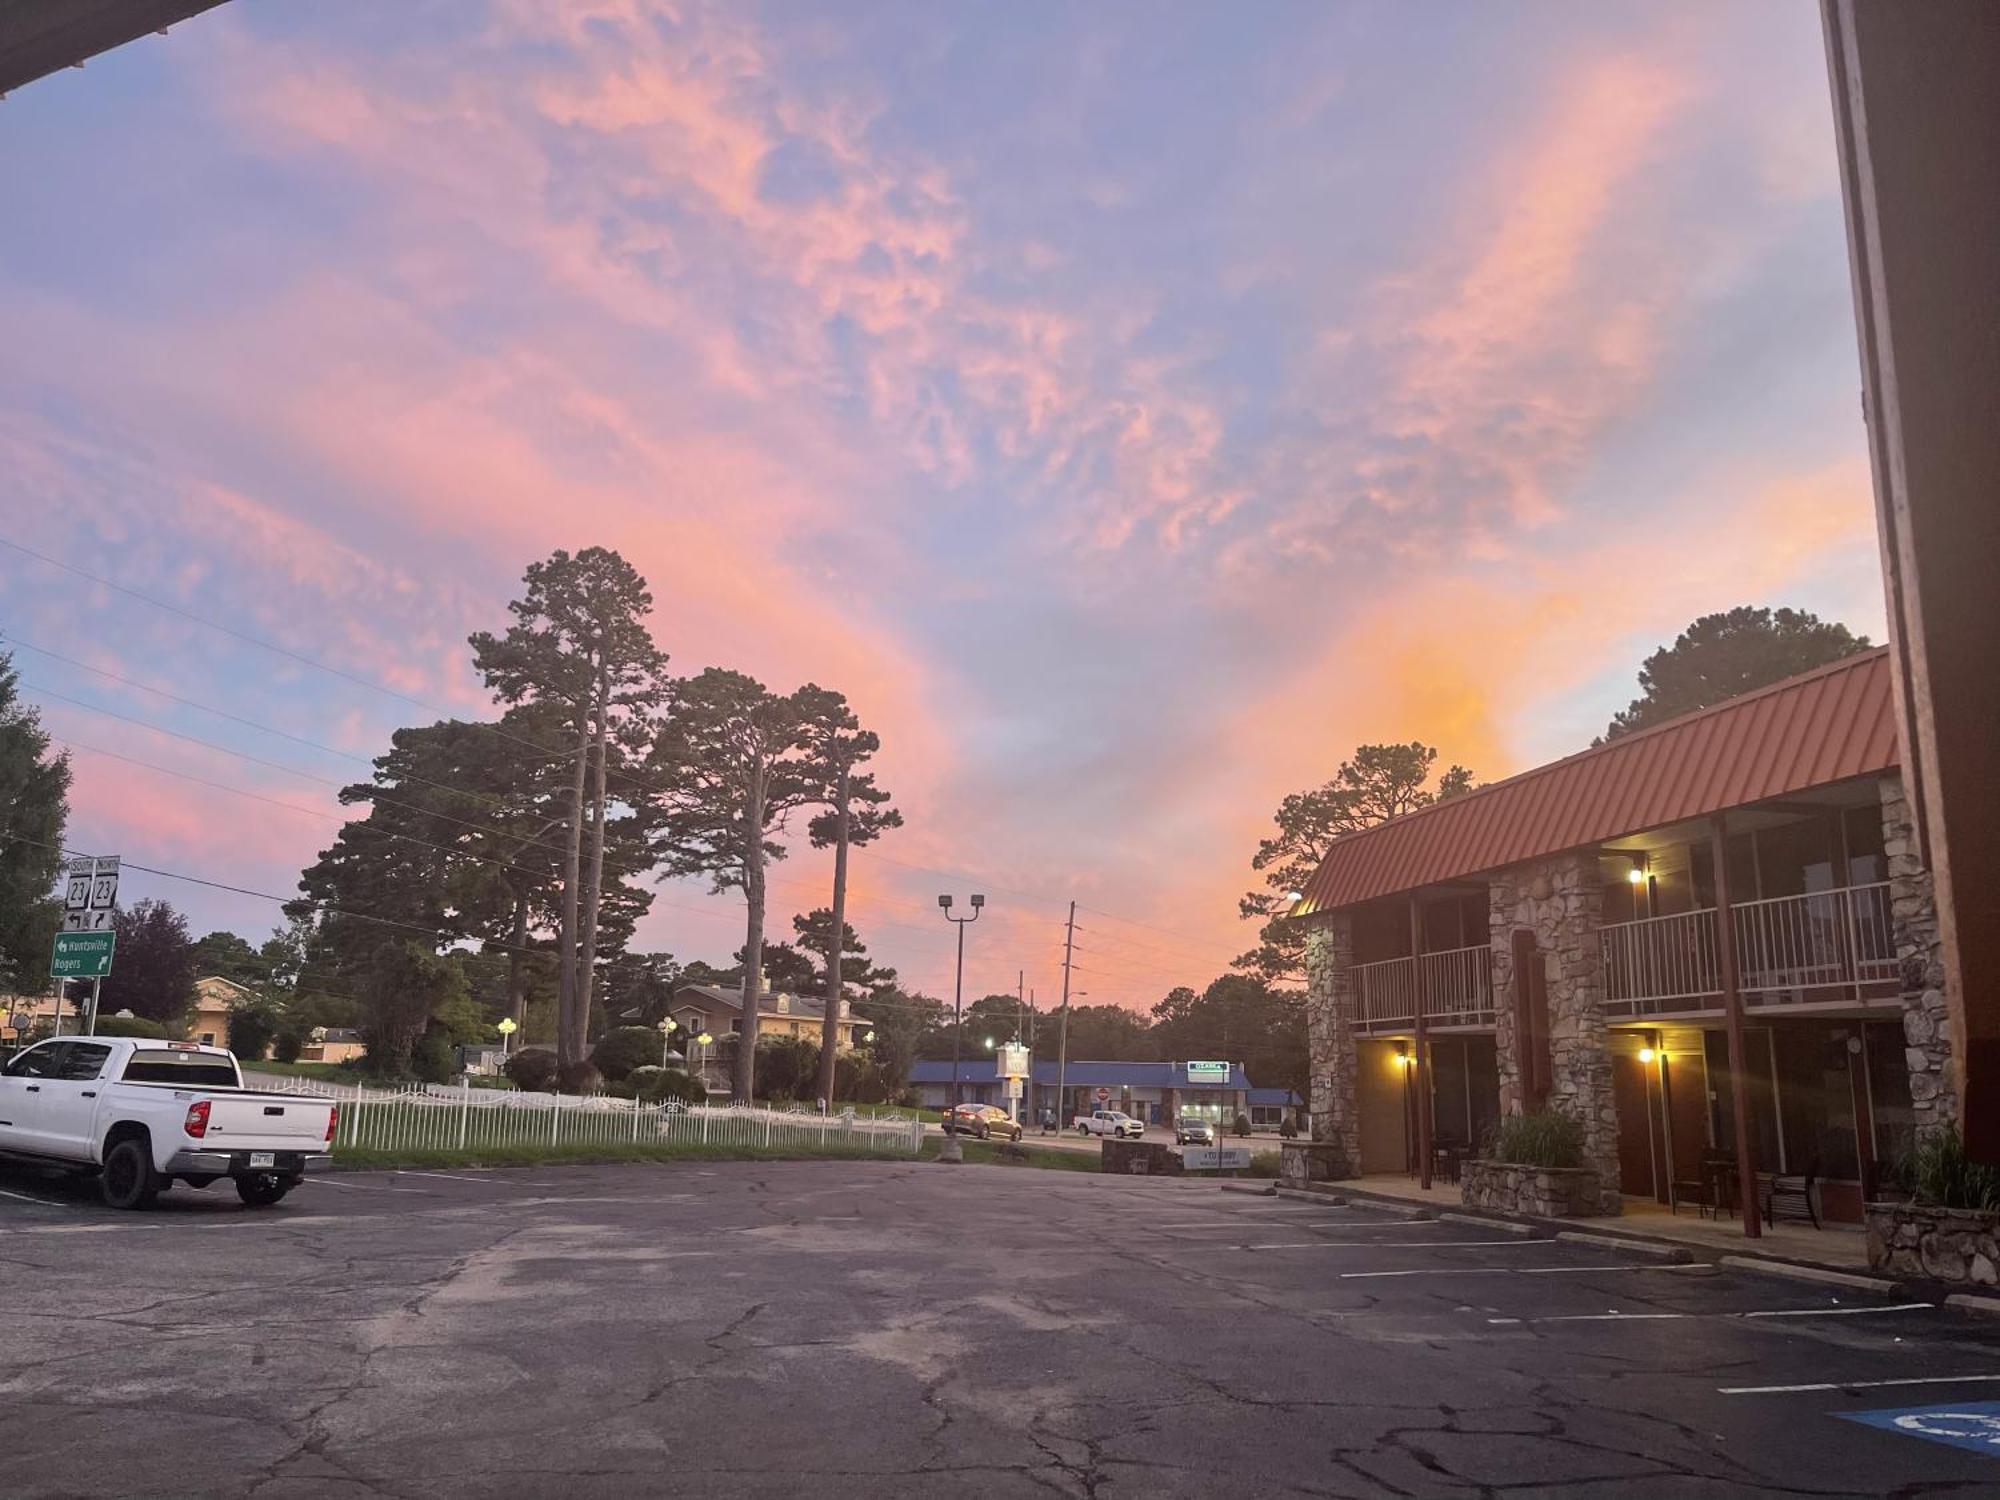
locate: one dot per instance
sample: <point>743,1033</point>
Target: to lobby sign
<point>1208,1072</point>
<point>1215,1158</point>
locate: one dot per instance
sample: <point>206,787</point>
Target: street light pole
<point>950,1151</point>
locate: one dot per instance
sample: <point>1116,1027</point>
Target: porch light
<point>1295,897</point>
<point>1647,1054</point>
<point>1637,876</point>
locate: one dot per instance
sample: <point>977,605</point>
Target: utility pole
<point>950,1151</point>
<point>1062,1046</point>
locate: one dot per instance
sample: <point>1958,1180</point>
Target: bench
<point>1789,1196</point>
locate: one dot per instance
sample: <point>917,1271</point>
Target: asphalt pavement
<point>905,1329</point>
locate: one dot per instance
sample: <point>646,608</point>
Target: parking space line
<point>31,1198</point>
<point>1854,1385</point>
<point>1657,1317</point>
<point>1387,1245</point>
<point>1497,1270</point>
<point>1289,1224</point>
<point>448,1177</point>
<point>362,1187</point>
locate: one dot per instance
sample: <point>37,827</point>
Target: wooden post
<point>1421,1063</point>
<point>1732,1006</point>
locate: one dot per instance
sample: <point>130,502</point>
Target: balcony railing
<point>1457,984</point>
<point>1824,947</point>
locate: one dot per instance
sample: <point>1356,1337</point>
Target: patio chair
<point>1789,1195</point>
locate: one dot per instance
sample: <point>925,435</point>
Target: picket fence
<point>449,1119</point>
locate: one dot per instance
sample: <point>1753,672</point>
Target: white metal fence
<point>449,1119</point>
<point>1836,945</point>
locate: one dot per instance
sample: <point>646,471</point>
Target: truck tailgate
<point>285,1121</point>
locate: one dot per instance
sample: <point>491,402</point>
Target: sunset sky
<point>1131,407</point>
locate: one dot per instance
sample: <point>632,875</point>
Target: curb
<point>1309,1195</point>
<point>1677,1254</point>
<point>1257,1192</point>
<point>1811,1273</point>
<point>1507,1225</point>
<point>1972,1302</point>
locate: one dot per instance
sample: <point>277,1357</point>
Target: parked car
<point>1193,1130</point>
<point>1113,1122</point>
<point>981,1120</point>
<point>143,1114</point>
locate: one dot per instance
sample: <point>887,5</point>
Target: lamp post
<point>667,1029</point>
<point>950,1151</point>
<point>506,1027</point>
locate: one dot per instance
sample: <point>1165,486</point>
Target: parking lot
<point>899,1329</point>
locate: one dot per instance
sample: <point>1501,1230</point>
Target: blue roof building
<point>1155,1092</point>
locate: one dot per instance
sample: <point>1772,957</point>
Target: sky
<point>1131,408</point>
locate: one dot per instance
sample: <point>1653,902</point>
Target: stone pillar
<point>1330,1040</point>
<point>1561,901</point>
<point>1926,1018</point>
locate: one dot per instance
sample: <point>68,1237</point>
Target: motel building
<point>1154,1093</point>
<point>1555,941</point>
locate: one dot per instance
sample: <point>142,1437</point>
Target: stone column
<point>1926,1020</point>
<point>1330,1035</point>
<point>1561,900</point>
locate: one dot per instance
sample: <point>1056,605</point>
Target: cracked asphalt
<point>900,1329</point>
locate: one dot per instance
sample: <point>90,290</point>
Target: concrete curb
<point>1307,1195</point>
<point>1678,1254</point>
<point>1808,1273</point>
<point>1260,1192</point>
<point>1972,1302</point>
<point>1507,1225</point>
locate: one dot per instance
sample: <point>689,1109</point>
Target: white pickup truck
<point>1113,1122</point>
<point>143,1114</point>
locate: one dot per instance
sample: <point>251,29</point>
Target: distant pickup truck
<point>144,1114</point>
<point>1113,1122</point>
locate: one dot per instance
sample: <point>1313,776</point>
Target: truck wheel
<point>261,1190</point>
<point>128,1179</point>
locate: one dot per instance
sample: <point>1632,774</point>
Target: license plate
<point>263,1158</point>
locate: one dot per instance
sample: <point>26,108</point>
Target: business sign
<point>1103,1095</point>
<point>1961,1424</point>
<point>1208,1072</point>
<point>90,893</point>
<point>1215,1158</point>
<point>82,955</point>
<point>1013,1060</point>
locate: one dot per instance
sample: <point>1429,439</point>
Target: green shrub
<point>131,1026</point>
<point>1942,1175</point>
<point>1543,1139</point>
<point>532,1068</point>
<point>1264,1164</point>
<point>1242,1124</point>
<point>580,1077</point>
<point>618,1052</point>
<point>251,1031</point>
<point>289,1043</point>
<point>432,1059</point>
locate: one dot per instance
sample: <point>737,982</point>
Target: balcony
<point>1457,986</point>
<point>1823,949</point>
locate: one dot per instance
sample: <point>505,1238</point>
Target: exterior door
<point>69,1100</point>
<point>21,1087</point>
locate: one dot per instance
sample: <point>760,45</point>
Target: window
<point>190,1070</point>
<point>1865,862</point>
<point>84,1062</point>
<point>38,1062</point>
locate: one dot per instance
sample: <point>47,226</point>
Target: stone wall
<point>1926,1019</point>
<point>1546,1192</point>
<point>1330,1041</point>
<point>1945,1244</point>
<point>1560,900</point>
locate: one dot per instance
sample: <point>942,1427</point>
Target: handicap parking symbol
<point>1962,1424</point>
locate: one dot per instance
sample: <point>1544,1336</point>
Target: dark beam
<point>40,37</point>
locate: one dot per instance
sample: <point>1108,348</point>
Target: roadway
<point>909,1329</point>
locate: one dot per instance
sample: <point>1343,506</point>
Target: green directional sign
<point>82,955</point>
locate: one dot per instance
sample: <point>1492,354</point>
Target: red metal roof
<point>1823,726</point>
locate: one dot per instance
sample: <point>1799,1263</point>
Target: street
<point>771,1329</point>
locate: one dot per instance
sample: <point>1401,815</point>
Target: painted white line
<point>1586,1270</point>
<point>1837,1312</point>
<point>450,1177</point>
<point>1345,1224</point>
<point>30,1198</point>
<point>360,1187</point>
<point>1854,1385</point>
<point>1383,1245</point>
<point>1613,1317</point>
<point>1500,1270</point>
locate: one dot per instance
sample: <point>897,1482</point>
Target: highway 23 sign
<point>90,893</point>
<point>82,955</point>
